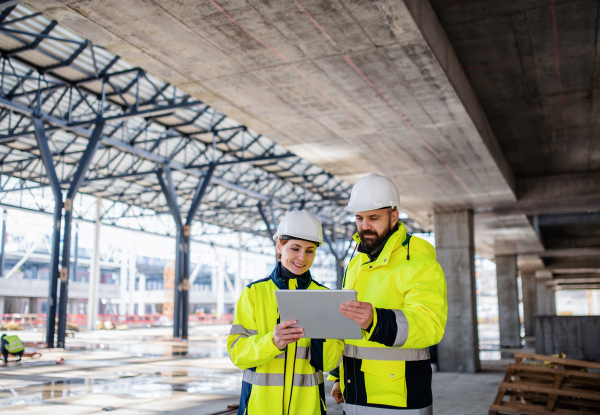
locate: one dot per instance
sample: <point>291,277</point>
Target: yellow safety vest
<point>15,345</point>
<point>415,290</point>
<point>274,381</point>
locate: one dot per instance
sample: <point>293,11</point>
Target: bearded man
<point>401,309</point>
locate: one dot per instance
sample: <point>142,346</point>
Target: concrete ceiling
<point>483,105</point>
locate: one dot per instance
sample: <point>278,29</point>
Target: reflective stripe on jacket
<point>388,370</point>
<point>15,345</point>
<point>274,381</point>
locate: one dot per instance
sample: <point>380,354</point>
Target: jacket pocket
<point>385,382</point>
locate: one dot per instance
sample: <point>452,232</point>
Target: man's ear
<point>395,215</point>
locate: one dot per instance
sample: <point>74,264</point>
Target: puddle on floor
<point>219,349</point>
<point>129,384</point>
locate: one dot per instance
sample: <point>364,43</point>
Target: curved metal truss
<point>77,118</point>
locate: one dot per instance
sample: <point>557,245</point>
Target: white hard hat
<point>373,192</point>
<point>302,225</point>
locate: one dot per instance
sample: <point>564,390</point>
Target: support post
<point>3,244</point>
<point>542,277</point>
<point>123,280</point>
<point>238,284</point>
<point>82,169</point>
<point>529,287</point>
<point>46,155</point>
<point>132,274</point>
<point>508,301</point>
<point>94,283</point>
<point>185,277</point>
<point>459,349</point>
<point>168,190</point>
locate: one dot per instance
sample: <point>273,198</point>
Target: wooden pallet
<point>537,384</point>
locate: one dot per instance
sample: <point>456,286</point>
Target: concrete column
<point>1,304</point>
<point>32,305</point>
<point>508,301</point>
<point>239,284</point>
<point>459,349</point>
<point>132,273</point>
<point>94,285</point>
<point>220,293</point>
<point>541,278</point>
<point>142,297</point>
<point>529,287</point>
<point>123,280</point>
<point>551,293</point>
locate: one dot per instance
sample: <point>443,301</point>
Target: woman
<point>282,369</point>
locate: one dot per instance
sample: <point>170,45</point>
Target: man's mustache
<point>369,233</point>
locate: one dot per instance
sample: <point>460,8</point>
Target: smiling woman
<point>281,366</point>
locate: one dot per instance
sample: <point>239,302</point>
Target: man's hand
<point>358,311</point>
<point>336,393</point>
<point>282,335</point>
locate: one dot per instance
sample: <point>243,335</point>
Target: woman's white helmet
<point>373,192</point>
<point>302,225</point>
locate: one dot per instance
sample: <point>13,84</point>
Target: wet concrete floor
<point>139,372</point>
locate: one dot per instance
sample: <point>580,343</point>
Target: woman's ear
<point>278,246</point>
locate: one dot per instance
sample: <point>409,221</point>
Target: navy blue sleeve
<point>335,372</point>
<point>386,330</point>
<point>316,353</point>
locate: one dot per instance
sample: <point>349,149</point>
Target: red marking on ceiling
<point>409,125</point>
<point>462,3</point>
<point>315,23</point>
<point>560,86</point>
<point>320,91</point>
<point>493,65</point>
<point>326,96</point>
<point>569,53</point>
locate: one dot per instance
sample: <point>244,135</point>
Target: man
<point>401,308</point>
<point>13,345</point>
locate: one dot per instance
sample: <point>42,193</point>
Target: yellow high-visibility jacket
<point>277,381</point>
<point>389,369</point>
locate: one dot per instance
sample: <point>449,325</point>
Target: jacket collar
<point>303,281</point>
<point>394,241</point>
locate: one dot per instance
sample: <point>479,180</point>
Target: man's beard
<point>370,244</point>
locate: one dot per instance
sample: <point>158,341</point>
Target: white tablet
<point>318,312</point>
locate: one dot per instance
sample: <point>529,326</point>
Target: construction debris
<point>539,384</point>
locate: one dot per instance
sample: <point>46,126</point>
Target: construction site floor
<point>142,372</point>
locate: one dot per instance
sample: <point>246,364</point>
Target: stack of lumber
<point>537,384</point>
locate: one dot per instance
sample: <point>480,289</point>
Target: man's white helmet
<point>373,192</point>
<point>302,225</point>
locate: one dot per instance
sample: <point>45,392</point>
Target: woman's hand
<point>336,393</point>
<point>282,335</point>
<point>358,311</point>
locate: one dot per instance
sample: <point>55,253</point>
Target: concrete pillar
<point>32,305</point>
<point>123,280</point>
<point>142,297</point>
<point>459,349</point>
<point>529,287</point>
<point>94,285</point>
<point>132,274</point>
<point>220,292</point>
<point>239,284</point>
<point>1,304</point>
<point>508,301</point>
<point>551,293</point>
<point>542,277</point>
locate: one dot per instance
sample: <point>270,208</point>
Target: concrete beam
<point>569,219</point>
<point>572,185</point>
